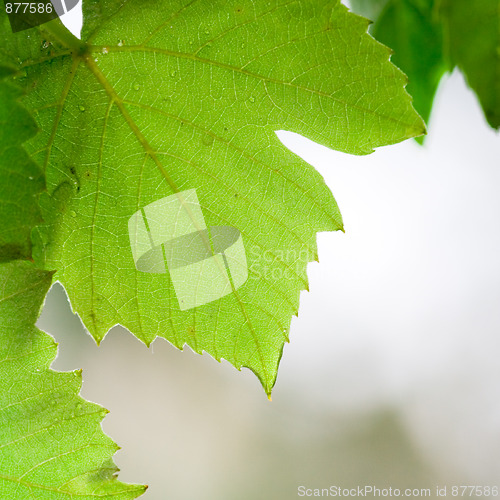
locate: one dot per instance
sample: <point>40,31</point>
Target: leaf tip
<point>418,128</point>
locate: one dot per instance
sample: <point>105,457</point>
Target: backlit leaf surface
<point>173,96</point>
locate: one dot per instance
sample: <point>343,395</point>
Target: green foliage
<point>51,443</point>
<point>21,179</point>
<point>191,98</point>
<point>410,29</point>
<point>430,36</point>
<point>473,44</point>
<point>161,97</point>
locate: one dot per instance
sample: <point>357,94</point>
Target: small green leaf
<point>51,444</point>
<point>183,96</point>
<point>472,40</point>
<point>21,179</point>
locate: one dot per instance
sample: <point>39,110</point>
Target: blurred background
<point>392,376</point>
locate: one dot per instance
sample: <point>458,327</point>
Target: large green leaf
<point>472,38</point>
<point>175,96</point>
<point>51,444</point>
<point>21,180</point>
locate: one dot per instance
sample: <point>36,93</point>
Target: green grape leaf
<point>167,181</point>
<point>21,179</point>
<point>51,444</point>
<point>472,41</point>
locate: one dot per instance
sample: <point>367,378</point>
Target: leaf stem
<point>56,31</point>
